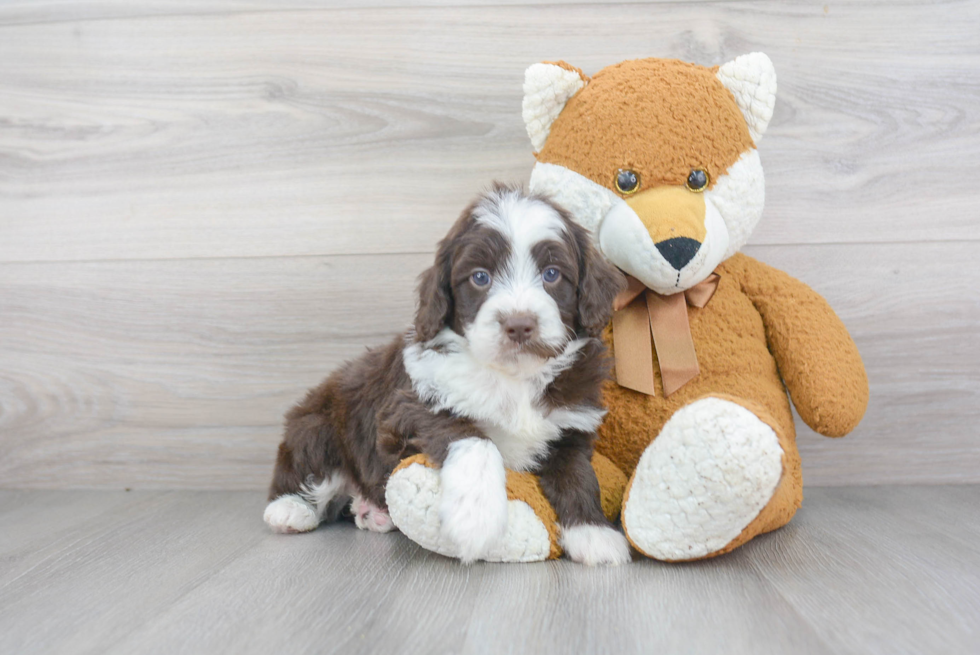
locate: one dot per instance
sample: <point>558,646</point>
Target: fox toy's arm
<point>817,358</point>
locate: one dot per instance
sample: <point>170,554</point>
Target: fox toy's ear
<point>752,80</point>
<point>547,87</point>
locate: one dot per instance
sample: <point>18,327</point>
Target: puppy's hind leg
<point>313,503</point>
<point>369,516</point>
<point>305,488</point>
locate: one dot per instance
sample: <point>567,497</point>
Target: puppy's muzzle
<point>520,328</point>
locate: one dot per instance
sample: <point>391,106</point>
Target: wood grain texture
<point>174,374</point>
<point>919,589</point>
<point>19,12</point>
<point>205,206</point>
<point>165,545</point>
<point>325,131</point>
<point>860,570</point>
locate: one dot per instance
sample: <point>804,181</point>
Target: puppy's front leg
<point>569,482</point>
<point>473,505</point>
<point>473,509</point>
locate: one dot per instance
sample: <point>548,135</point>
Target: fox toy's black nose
<point>678,251</point>
<point>520,327</point>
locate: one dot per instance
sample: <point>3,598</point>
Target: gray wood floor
<point>860,570</point>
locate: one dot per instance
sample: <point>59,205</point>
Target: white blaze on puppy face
<point>518,286</point>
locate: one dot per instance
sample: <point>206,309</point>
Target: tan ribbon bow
<point>640,313</point>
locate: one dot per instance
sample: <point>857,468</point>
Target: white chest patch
<point>504,403</point>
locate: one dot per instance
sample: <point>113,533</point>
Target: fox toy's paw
<point>418,506</point>
<point>714,467</point>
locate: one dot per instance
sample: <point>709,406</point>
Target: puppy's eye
<point>480,278</point>
<point>697,181</point>
<point>551,274</point>
<point>627,182</point>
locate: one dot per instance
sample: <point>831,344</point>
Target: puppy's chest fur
<point>509,406</point>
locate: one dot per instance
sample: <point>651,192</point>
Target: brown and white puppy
<point>502,369</point>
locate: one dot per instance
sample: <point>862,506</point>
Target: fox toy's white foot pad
<point>707,475</point>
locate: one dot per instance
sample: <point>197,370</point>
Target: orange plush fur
<point>763,333</point>
<point>597,132</point>
<point>744,339</point>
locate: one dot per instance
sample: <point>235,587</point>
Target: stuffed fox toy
<point>658,159</point>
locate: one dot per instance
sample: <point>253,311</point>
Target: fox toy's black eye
<point>627,182</point>
<point>551,274</point>
<point>697,181</point>
<point>480,278</point>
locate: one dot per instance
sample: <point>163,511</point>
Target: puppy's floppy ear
<point>598,283</point>
<point>435,295</point>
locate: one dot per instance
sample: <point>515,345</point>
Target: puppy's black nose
<point>678,251</point>
<point>520,327</point>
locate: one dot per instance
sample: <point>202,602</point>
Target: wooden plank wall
<point>204,206</point>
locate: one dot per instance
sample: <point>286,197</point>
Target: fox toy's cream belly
<point>735,362</point>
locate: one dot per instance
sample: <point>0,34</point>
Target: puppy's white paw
<point>473,509</point>
<point>368,516</point>
<point>595,544</point>
<point>291,513</point>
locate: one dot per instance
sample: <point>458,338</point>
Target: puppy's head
<point>516,277</point>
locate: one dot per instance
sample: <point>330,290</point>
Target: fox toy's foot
<point>705,478</point>
<point>414,495</point>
